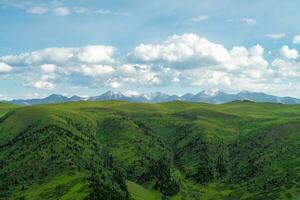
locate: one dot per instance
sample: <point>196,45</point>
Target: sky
<point>86,47</point>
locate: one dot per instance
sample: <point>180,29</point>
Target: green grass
<point>5,107</point>
<point>175,150</point>
<point>66,187</point>
<point>138,192</point>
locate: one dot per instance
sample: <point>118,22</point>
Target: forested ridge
<point>174,150</point>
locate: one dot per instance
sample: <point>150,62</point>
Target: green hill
<point>175,150</point>
<point>5,107</point>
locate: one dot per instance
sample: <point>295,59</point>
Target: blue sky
<point>86,47</point>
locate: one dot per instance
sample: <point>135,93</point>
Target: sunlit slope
<point>47,155</point>
<point>5,107</point>
<point>177,150</point>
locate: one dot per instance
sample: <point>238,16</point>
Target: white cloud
<point>37,10</point>
<point>15,4</point>
<point>103,11</point>
<point>130,93</point>
<point>96,53</point>
<point>80,10</point>
<point>62,11</point>
<point>248,21</point>
<point>296,39</point>
<point>276,36</point>
<point>128,69</point>
<point>183,48</point>
<point>4,97</point>
<point>113,83</point>
<point>32,96</point>
<point>138,74</point>
<point>4,68</point>
<point>198,19</point>
<point>191,51</point>
<point>58,8</point>
<point>45,82</point>
<point>213,78</point>
<point>183,60</point>
<point>87,54</point>
<point>288,53</point>
<point>50,55</point>
<point>43,85</point>
<point>247,61</point>
<point>256,50</point>
<point>286,68</point>
<point>97,70</point>
<point>48,68</point>
<point>201,77</point>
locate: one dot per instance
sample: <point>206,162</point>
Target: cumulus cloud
<point>201,77</point>
<point>113,83</point>
<point>87,54</point>
<point>214,78</point>
<point>44,82</point>
<point>248,62</point>
<point>41,69</point>
<point>136,74</point>
<point>48,68</point>
<point>96,53</point>
<point>4,68</point>
<point>286,68</point>
<point>248,21</point>
<point>192,51</point>
<point>288,53</point>
<point>130,93</point>
<point>188,48</point>
<point>183,60</point>
<point>276,36</point>
<point>194,61</point>
<point>296,39</point>
<point>96,70</point>
<point>43,85</point>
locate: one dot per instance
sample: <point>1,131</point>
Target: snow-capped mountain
<point>159,97</point>
<point>262,97</point>
<point>207,96</point>
<point>110,95</point>
<point>211,92</point>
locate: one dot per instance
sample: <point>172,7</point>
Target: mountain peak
<point>110,92</point>
<point>56,95</point>
<point>215,96</point>
<point>211,92</point>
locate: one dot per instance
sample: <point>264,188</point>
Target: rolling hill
<point>5,107</point>
<point>140,151</point>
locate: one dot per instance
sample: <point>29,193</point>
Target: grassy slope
<point>239,150</point>
<point>41,145</point>
<point>138,192</point>
<point>5,107</point>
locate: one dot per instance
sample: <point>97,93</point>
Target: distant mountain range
<point>207,96</point>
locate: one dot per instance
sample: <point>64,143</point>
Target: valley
<point>172,150</point>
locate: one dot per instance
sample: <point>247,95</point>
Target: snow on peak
<point>130,93</point>
<point>212,92</point>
